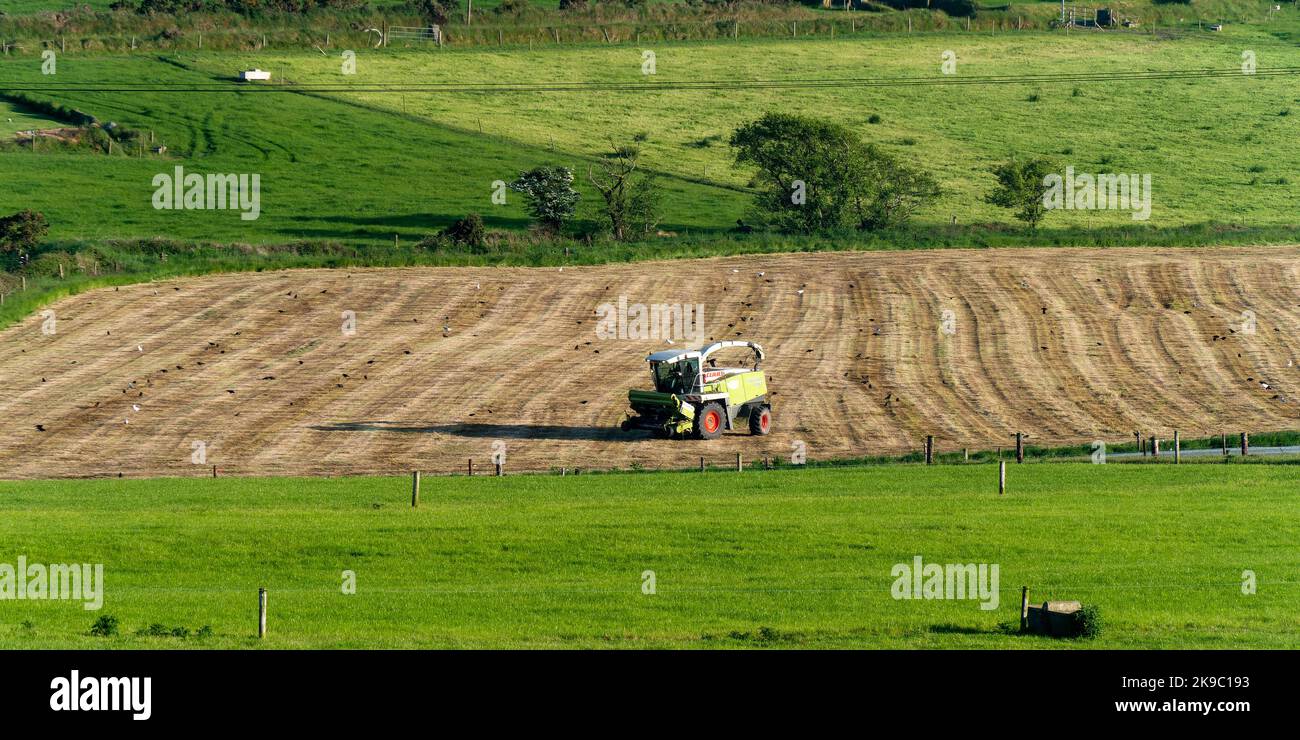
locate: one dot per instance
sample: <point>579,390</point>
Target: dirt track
<point>1067,345</point>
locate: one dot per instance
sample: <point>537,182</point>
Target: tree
<point>897,191</point>
<point>552,200</point>
<point>1022,184</point>
<point>19,233</point>
<point>814,175</point>
<point>631,197</point>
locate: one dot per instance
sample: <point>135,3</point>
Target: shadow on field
<point>958,629</point>
<point>492,431</point>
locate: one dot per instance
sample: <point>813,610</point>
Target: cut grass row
<point>782,558</point>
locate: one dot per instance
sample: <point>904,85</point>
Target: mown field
<point>361,166</point>
<point>786,559</point>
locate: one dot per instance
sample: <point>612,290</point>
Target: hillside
<point>1066,345</point>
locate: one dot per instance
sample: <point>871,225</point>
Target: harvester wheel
<point>710,421</point>
<point>760,420</point>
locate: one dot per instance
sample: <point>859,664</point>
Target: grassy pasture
<point>788,558</point>
<point>360,167</point>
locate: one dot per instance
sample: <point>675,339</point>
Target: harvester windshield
<point>675,377</point>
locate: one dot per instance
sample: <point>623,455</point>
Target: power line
<point>647,86</point>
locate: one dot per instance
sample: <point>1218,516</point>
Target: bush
<point>1087,622</point>
<point>105,626</point>
<point>467,232</point>
<point>19,233</point>
<point>955,8</point>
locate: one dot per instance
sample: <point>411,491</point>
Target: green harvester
<point>693,397</point>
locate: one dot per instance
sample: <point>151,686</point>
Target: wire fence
<point>831,25</point>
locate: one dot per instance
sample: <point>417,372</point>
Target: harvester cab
<point>692,396</point>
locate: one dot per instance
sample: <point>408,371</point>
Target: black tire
<point>760,420</point>
<point>710,420</point>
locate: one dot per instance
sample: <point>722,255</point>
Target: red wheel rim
<point>764,420</point>
<point>712,421</point>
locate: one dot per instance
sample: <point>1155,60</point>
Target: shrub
<point>1088,622</point>
<point>19,233</point>
<point>467,232</point>
<point>874,118</point>
<point>105,626</point>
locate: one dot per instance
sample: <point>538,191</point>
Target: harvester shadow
<point>493,431</point>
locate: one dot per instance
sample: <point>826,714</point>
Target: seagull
<point>135,407</point>
<point>799,291</point>
<point>761,273</point>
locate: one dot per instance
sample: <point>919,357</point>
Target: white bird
<point>736,270</point>
<point>761,273</point>
<point>139,348</point>
<point>799,291</point>
<point>126,421</point>
<point>135,407</point>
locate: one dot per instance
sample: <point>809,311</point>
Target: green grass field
<point>360,167</point>
<point>789,558</point>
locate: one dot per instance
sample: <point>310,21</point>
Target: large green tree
<point>814,175</point>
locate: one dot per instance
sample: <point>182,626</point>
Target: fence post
<point>740,466</point>
<point>1002,477</point>
<point>701,463</point>
<point>415,488</point>
<point>1223,442</point>
<point>1020,447</point>
<point>261,613</point>
<point>500,470</point>
<point>1142,451</point>
<point>470,468</point>
<point>1155,447</point>
<point>929,449</point>
<point>1024,608</point>
<point>214,471</point>
<point>1245,444</point>
<point>1178,448</point>
<point>965,454</point>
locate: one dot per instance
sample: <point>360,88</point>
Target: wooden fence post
<point>261,613</point>
<point>415,488</point>
<point>470,468</point>
<point>1020,447</point>
<point>1245,444</point>
<point>1024,608</point>
<point>740,466</point>
<point>214,471</point>
<point>701,463</point>
<point>1155,447</point>
<point>1002,477</point>
<point>500,470</point>
<point>965,454</point>
<point>1141,450</point>
<point>1178,448</point>
<point>929,449</point>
